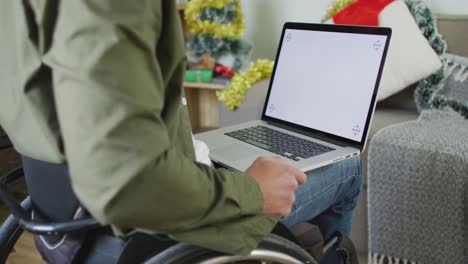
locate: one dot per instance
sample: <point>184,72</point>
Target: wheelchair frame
<point>20,221</point>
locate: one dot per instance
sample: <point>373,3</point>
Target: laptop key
<point>257,144</point>
<point>276,151</point>
<point>280,143</point>
<point>294,157</point>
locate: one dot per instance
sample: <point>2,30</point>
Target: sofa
<point>393,110</point>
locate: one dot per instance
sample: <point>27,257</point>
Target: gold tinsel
<point>234,94</point>
<point>195,26</point>
<point>336,7</point>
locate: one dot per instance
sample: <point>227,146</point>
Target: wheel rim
<point>260,255</point>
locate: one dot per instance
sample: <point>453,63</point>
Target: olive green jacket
<point>98,84</point>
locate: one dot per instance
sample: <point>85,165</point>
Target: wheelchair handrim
<point>265,256</point>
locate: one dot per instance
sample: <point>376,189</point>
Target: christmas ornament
<point>223,71</point>
<point>205,63</point>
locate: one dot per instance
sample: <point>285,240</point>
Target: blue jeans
<point>329,197</point>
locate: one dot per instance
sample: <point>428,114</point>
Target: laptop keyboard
<point>283,144</point>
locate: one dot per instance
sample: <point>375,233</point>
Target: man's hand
<point>278,180</point>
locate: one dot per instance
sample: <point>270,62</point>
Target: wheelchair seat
<point>81,239</point>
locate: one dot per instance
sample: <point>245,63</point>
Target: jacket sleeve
<point>109,94</point>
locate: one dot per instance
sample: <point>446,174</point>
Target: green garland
<point>428,26</point>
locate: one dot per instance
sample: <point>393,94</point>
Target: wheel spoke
<point>257,256</point>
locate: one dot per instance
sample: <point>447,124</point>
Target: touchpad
<point>236,153</point>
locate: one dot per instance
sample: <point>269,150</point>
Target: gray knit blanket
<point>418,202</point>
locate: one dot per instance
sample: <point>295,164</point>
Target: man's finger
<point>300,177</point>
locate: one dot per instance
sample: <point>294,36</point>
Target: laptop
<point>319,103</point>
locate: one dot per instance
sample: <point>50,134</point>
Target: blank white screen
<point>325,80</point>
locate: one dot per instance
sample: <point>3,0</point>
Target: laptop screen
<point>325,80</point>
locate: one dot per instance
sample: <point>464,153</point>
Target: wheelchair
<point>283,245</point>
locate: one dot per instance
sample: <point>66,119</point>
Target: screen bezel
<point>340,29</point>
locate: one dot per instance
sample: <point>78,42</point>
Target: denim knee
<point>354,167</point>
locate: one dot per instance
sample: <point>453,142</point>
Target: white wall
<point>449,7</point>
<point>266,17</point>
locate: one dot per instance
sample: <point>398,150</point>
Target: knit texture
<point>418,174</point>
<point>454,91</point>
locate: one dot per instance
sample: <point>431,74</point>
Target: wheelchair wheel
<point>272,250</point>
<point>10,232</point>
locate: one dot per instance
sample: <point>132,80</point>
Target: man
<point>98,84</point>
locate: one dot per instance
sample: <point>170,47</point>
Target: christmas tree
<point>216,28</point>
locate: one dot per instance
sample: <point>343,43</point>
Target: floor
<point>363,259</point>
<point>25,251</point>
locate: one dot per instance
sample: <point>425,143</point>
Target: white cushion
<point>410,58</point>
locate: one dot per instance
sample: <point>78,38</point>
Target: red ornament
<point>224,71</point>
